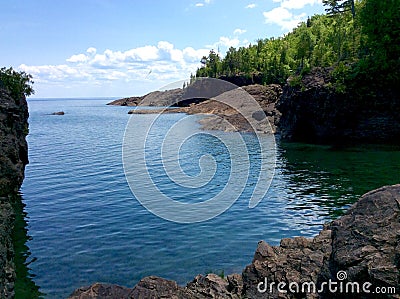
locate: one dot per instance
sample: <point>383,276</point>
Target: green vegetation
<point>220,273</point>
<point>16,83</point>
<point>359,39</point>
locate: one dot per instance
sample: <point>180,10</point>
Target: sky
<point>120,48</point>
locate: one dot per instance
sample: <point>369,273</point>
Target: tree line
<point>358,38</point>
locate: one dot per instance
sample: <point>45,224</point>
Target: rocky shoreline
<point>14,157</point>
<point>307,108</point>
<point>221,113</point>
<point>362,247</point>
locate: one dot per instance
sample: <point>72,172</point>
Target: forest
<point>358,39</point>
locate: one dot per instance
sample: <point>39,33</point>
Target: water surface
<point>87,227</point>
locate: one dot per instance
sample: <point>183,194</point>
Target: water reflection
<point>25,287</point>
<point>330,179</point>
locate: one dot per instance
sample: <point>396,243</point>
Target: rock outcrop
<point>231,110</point>
<point>58,113</point>
<point>13,158</point>
<point>156,98</point>
<point>267,97</point>
<point>360,248</point>
<point>313,111</point>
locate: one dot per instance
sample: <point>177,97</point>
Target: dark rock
<point>58,113</point>
<point>243,80</point>
<point>13,147</point>
<point>267,97</point>
<point>104,291</point>
<point>296,260</point>
<point>7,266</point>
<point>313,111</point>
<point>365,243</point>
<point>153,287</point>
<point>13,158</point>
<point>213,286</point>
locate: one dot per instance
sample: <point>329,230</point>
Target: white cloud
<point>92,71</point>
<point>283,17</point>
<point>224,43</point>
<point>192,56</point>
<point>93,68</point>
<point>250,6</point>
<point>239,31</point>
<point>77,58</point>
<point>297,4</point>
<point>146,53</point>
<point>201,4</point>
<point>91,51</point>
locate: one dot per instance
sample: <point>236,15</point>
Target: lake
<point>86,226</point>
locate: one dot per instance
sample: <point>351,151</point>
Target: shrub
<point>16,83</point>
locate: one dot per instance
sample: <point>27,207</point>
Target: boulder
<point>104,291</point>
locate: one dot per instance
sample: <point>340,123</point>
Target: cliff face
<point>361,247</point>
<point>13,158</point>
<point>13,147</point>
<point>312,111</point>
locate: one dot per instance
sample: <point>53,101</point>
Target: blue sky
<point>116,48</point>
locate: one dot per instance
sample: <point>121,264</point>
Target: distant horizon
<point>79,49</point>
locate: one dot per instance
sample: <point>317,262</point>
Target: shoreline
<point>298,260</point>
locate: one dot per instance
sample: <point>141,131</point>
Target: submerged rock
<point>363,247</point>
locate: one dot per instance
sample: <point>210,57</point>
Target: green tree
<point>334,7</point>
<point>380,21</point>
<point>16,83</point>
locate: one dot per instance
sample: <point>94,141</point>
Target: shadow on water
<point>331,179</point>
<point>25,287</point>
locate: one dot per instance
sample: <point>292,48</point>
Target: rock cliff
<point>362,247</point>
<point>14,157</point>
<point>313,111</point>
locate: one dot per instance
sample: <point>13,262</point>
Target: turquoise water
<point>86,226</point>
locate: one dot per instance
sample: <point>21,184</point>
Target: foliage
<point>357,38</point>
<point>339,6</point>
<point>380,21</point>
<point>16,83</point>
<point>220,273</point>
